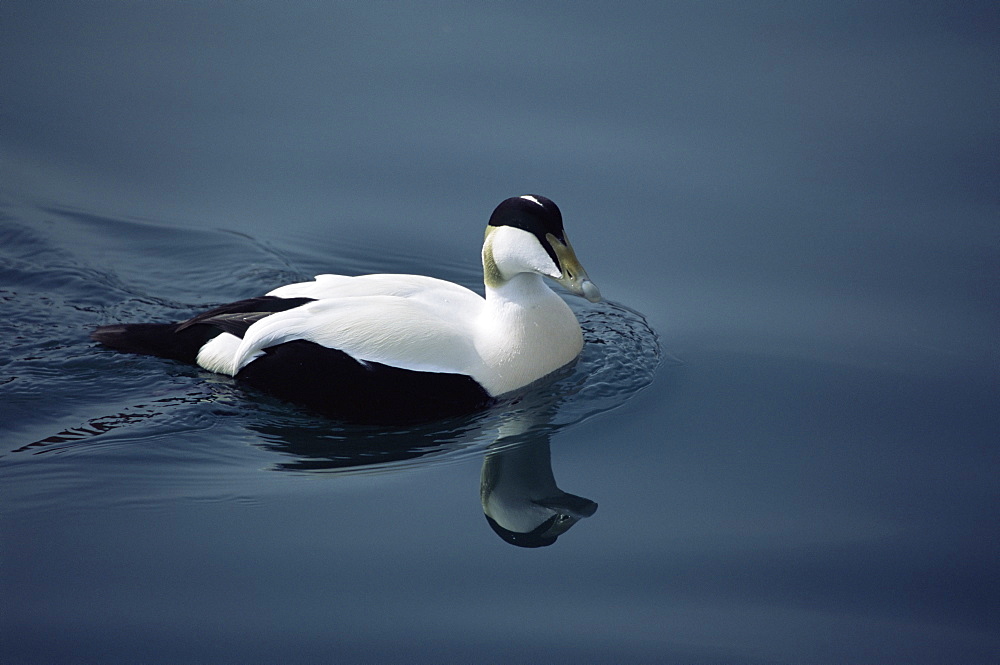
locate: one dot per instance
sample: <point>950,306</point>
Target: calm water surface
<point>783,429</point>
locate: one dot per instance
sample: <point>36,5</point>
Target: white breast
<point>525,333</point>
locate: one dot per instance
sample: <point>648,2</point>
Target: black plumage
<point>182,341</point>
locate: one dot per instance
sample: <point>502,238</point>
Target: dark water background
<point>800,198</point>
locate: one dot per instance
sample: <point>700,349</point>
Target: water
<point>786,411</point>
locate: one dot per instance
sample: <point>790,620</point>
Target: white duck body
<point>378,342</point>
<point>520,332</point>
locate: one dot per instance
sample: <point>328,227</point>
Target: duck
<point>396,348</point>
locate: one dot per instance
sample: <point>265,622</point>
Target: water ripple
<point>142,401</point>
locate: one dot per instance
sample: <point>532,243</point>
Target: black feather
<point>333,383</point>
<point>262,305</point>
<point>155,339</point>
<point>182,341</point>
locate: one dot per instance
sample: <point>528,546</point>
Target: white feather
<point>388,329</point>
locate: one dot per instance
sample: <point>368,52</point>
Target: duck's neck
<point>527,331</point>
<point>526,289</point>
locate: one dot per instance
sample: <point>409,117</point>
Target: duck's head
<point>526,235</point>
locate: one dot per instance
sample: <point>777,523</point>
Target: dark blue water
<point>786,410</point>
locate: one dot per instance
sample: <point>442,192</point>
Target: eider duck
<point>396,348</point>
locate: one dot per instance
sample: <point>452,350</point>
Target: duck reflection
<point>518,491</point>
<point>520,497</point>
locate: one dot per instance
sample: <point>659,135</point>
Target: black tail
<point>156,339</point>
<point>182,341</point>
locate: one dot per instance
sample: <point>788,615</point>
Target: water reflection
<point>520,498</point>
<point>321,446</point>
